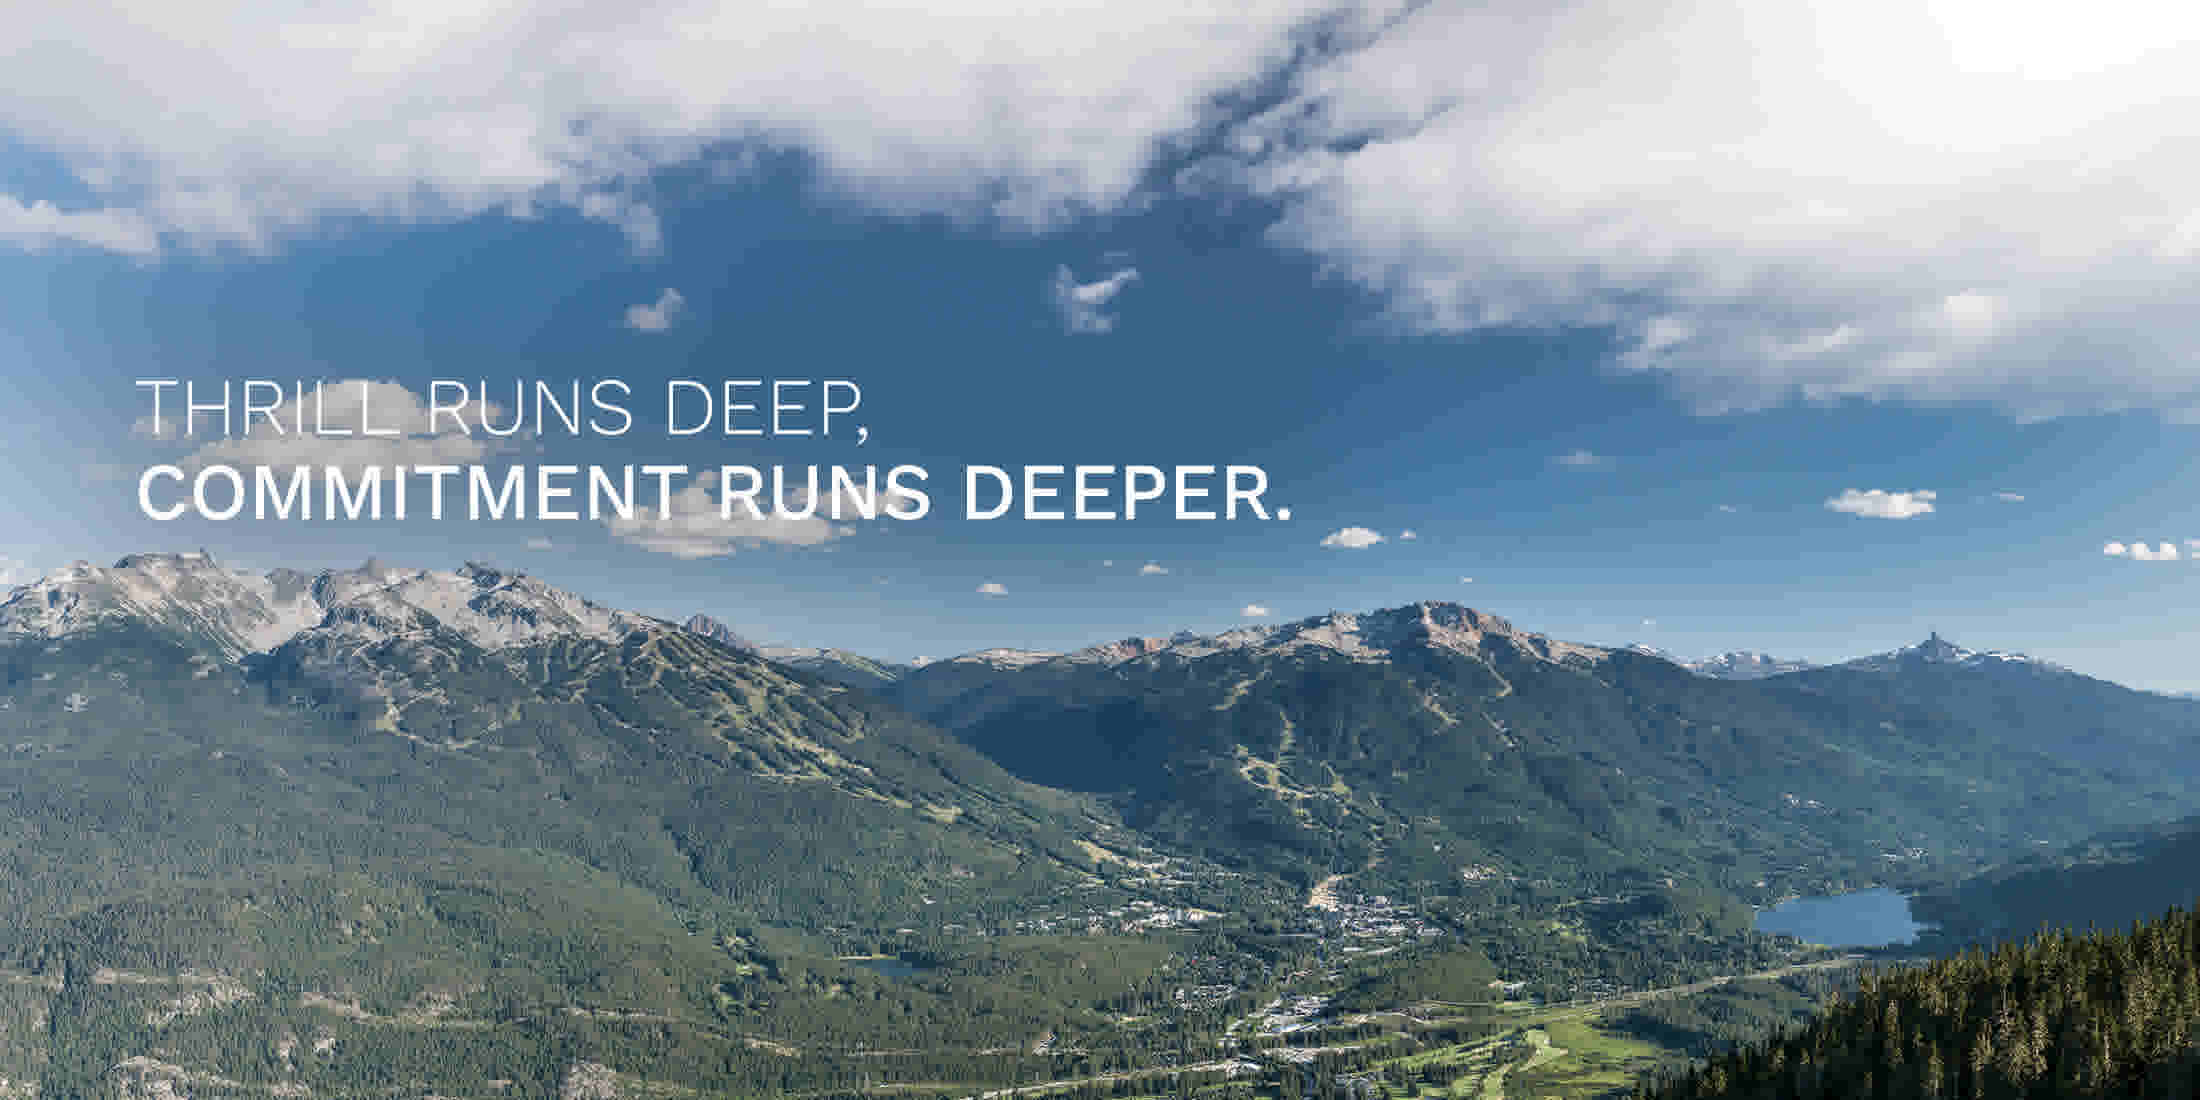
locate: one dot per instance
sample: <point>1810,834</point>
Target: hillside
<point>2064,1015</point>
<point>1421,745</point>
<point>336,831</point>
<point>2107,881</point>
<point>484,708</point>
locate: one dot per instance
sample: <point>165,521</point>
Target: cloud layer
<point>1950,200</point>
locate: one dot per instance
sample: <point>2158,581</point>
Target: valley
<point>393,831</point>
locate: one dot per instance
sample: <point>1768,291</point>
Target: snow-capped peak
<point>237,611</point>
<point>241,612</point>
<point>1937,650</point>
<point>1368,636</point>
<point>1739,664</point>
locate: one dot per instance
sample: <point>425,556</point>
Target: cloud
<point>694,529</point>
<point>1582,460</point>
<point>1728,509</point>
<point>353,404</point>
<point>1083,306</point>
<point>1351,538</point>
<point>403,111</point>
<point>1764,205</point>
<point>14,571</point>
<point>1881,504</point>
<point>659,315</point>
<point>1153,569</point>
<point>39,225</point>
<point>1255,611</point>
<point>1808,201</point>
<point>992,588</point>
<point>1408,535</point>
<point>539,543</point>
<point>2139,551</point>
<point>1466,580</point>
<point>2009,498</point>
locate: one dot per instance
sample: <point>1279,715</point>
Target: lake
<point>1866,918</point>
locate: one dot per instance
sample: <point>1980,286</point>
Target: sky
<point>1702,326</point>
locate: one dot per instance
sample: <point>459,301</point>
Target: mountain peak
<point>716,631</point>
<point>1936,650</point>
<point>236,612</point>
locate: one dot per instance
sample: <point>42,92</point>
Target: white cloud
<point>694,529</point>
<point>1807,200</point>
<point>1765,202</point>
<point>352,404</point>
<point>992,588</point>
<point>1408,535</point>
<point>1083,306</point>
<point>1466,580</point>
<point>1582,460</point>
<point>1108,564</point>
<point>1728,509</point>
<point>14,571</point>
<point>414,110</point>
<point>1153,569</point>
<point>2139,551</point>
<point>2009,498</point>
<point>38,225</point>
<point>1255,611</point>
<point>538,543</point>
<point>659,315</point>
<point>1881,504</point>
<point>1351,538</point>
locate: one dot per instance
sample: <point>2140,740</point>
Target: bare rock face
<point>717,631</point>
<point>589,1081</point>
<point>141,1077</point>
<point>236,612</point>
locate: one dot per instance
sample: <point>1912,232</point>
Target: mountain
<point>718,632</point>
<point>191,598</point>
<point>2030,705</point>
<point>1740,664</point>
<point>2106,881</point>
<point>2065,1015</point>
<point>1744,665</point>
<point>1938,651</point>
<point>632,728</point>
<point>1418,745</point>
<point>287,832</point>
<point>837,665</point>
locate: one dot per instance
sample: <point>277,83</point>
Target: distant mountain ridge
<point>238,612</point>
<point>1740,664</point>
<point>1407,738</point>
<point>508,684</point>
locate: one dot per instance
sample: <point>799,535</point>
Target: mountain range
<point>420,794</point>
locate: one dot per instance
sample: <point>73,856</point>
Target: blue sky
<point>1715,385</point>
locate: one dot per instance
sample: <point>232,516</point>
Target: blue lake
<point>1866,918</point>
